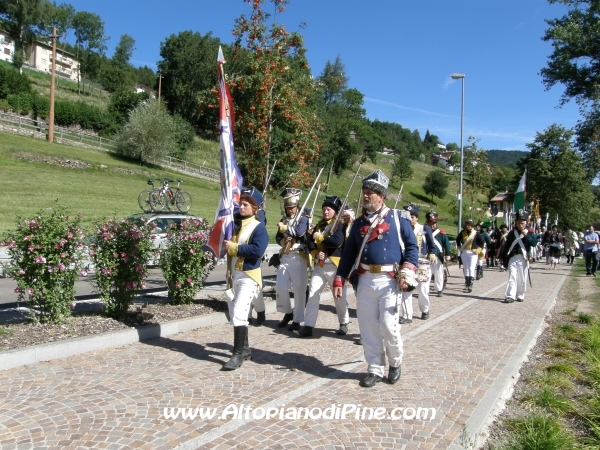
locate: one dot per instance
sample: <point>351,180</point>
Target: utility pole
<point>160,77</point>
<point>52,76</point>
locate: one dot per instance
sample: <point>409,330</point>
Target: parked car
<point>162,223</point>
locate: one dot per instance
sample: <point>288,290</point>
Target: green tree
<point>118,73</point>
<point>452,147</point>
<point>188,67</point>
<point>556,178</point>
<point>90,43</point>
<point>146,76</point>
<point>61,17</point>
<point>435,184</point>
<point>150,133</point>
<point>575,63</point>
<point>24,20</point>
<point>476,170</point>
<point>401,167</point>
<point>122,102</point>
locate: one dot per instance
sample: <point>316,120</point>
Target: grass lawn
<point>35,173</point>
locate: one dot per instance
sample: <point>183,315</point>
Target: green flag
<point>519,202</point>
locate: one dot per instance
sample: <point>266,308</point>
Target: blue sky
<point>398,53</point>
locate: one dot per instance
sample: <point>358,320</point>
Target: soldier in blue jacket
<point>246,248</point>
<point>382,247</point>
<point>258,303</point>
<point>294,260</point>
<point>325,245</point>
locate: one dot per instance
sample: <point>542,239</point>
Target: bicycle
<point>163,198</point>
<point>144,198</point>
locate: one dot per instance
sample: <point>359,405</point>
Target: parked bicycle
<point>165,197</point>
<point>144,198</point>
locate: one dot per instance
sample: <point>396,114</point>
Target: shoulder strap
<point>398,228</point>
<point>469,239</point>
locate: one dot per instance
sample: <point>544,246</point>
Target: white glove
<point>409,277</point>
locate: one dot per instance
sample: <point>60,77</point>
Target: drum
<point>424,270</point>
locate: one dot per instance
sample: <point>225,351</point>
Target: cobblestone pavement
<point>458,362</point>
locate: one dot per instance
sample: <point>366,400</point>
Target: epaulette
<point>403,214</point>
<point>442,231</point>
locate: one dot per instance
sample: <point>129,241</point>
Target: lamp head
<point>456,76</point>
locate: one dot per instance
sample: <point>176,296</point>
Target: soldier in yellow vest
<point>469,242</point>
<point>325,245</point>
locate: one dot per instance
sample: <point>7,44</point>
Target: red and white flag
<point>231,177</point>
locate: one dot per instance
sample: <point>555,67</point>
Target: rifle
<point>399,193</point>
<point>312,211</point>
<point>339,216</point>
<point>294,220</point>
<point>321,263</point>
<point>269,178</point>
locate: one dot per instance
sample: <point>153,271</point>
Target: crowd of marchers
<point>385,255</point>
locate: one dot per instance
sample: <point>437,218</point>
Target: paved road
<point>461,362</point>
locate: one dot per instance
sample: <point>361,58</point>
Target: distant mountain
<point>505,157</point>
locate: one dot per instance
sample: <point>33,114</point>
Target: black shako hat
<point>333,201</point>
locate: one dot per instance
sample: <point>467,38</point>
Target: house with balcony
<point>40,59</point>
<point>7,47</point>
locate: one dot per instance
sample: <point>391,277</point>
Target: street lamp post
<point>461,76</point>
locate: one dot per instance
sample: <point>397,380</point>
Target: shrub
<point>40,106</point>
<point>12,82</point>
<point>4,105</point>
<point>150,133</point>
<point>184,264</point>
<point>46,260</point>
<point>20,103</point>
<point>120,251</point>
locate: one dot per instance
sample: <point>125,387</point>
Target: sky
<point>399,54</point>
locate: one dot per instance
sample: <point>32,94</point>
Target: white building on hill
<point>7,47</point>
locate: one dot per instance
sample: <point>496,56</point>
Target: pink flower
<point>190,281</point>
<point>192,251</point>
<point>143,285</point>
<point>40,259</point>
<point>21,272</point>
<point>83,273</point>
<point>63,255</point>
<point>31,248</point>
<point>30,291</point>
<point>70,236</point>
<point>61,267</point>
<point>73,305</point>
<point>17,290</point>
<point>178,285</point>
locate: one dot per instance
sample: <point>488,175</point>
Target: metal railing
<point>14,123</point>
<point>39,129</point>
<point>188,167</point>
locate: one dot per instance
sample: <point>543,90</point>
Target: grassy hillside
<point>66,89</point>
<point>34,174</point>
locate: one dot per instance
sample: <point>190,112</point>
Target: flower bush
<point>120,252</point>
<point>46,259</point>
<point>184,264</point>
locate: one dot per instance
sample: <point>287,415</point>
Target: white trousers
<point>320,277</point>
<point>423,290</point>
<point>518,268</point>
<point>469,260</point>
<point>245,289</point>
<point>377,311</point>
<point>437,270</point>
<point>291,274</point>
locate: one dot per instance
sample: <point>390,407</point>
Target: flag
<point>231,177</point>
<point>519,201</point>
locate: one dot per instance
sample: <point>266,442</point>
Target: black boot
<point>240,338</point>
<point>467,283</point>
<point>260,317</point>
<point>286,319</point>
<point>246,350</point>
<point>470,284</point>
